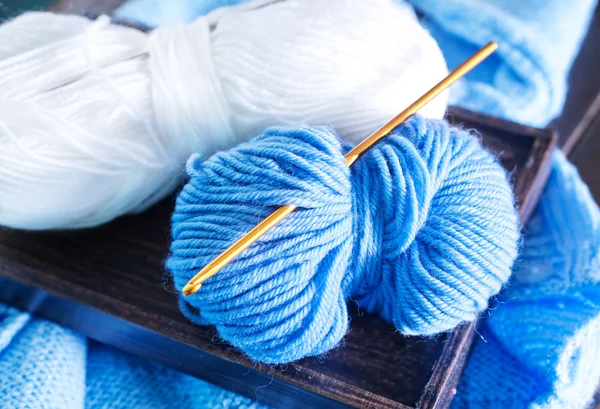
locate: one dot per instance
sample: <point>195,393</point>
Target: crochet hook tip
<point>191,288</point>
<point>257,232</point>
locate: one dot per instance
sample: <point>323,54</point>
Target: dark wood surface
<point>109,284</point>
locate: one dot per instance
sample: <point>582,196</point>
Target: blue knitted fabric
<point>421,230</point>
<point>44,366</point>
<point>525,80</point>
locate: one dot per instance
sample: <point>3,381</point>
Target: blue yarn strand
<point>422,230</point>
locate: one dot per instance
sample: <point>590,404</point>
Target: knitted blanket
<point>45,366</point>
<point>540,346</point>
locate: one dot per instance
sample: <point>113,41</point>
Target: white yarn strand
<point>97,120</point>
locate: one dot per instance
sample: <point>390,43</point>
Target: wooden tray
<point>109,284</point>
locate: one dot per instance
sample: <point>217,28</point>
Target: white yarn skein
<point>97,120</point>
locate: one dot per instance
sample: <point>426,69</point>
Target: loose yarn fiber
<point>97,120</point>
<point>422,230</point>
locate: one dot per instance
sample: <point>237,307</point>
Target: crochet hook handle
<point>257,232</point>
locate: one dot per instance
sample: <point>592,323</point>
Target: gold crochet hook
<point>278,215</point>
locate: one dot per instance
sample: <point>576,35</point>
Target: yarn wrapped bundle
<point>97,120</point>
<point>422,230</point>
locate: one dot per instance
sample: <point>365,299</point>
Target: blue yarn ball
<point>422,230</point>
